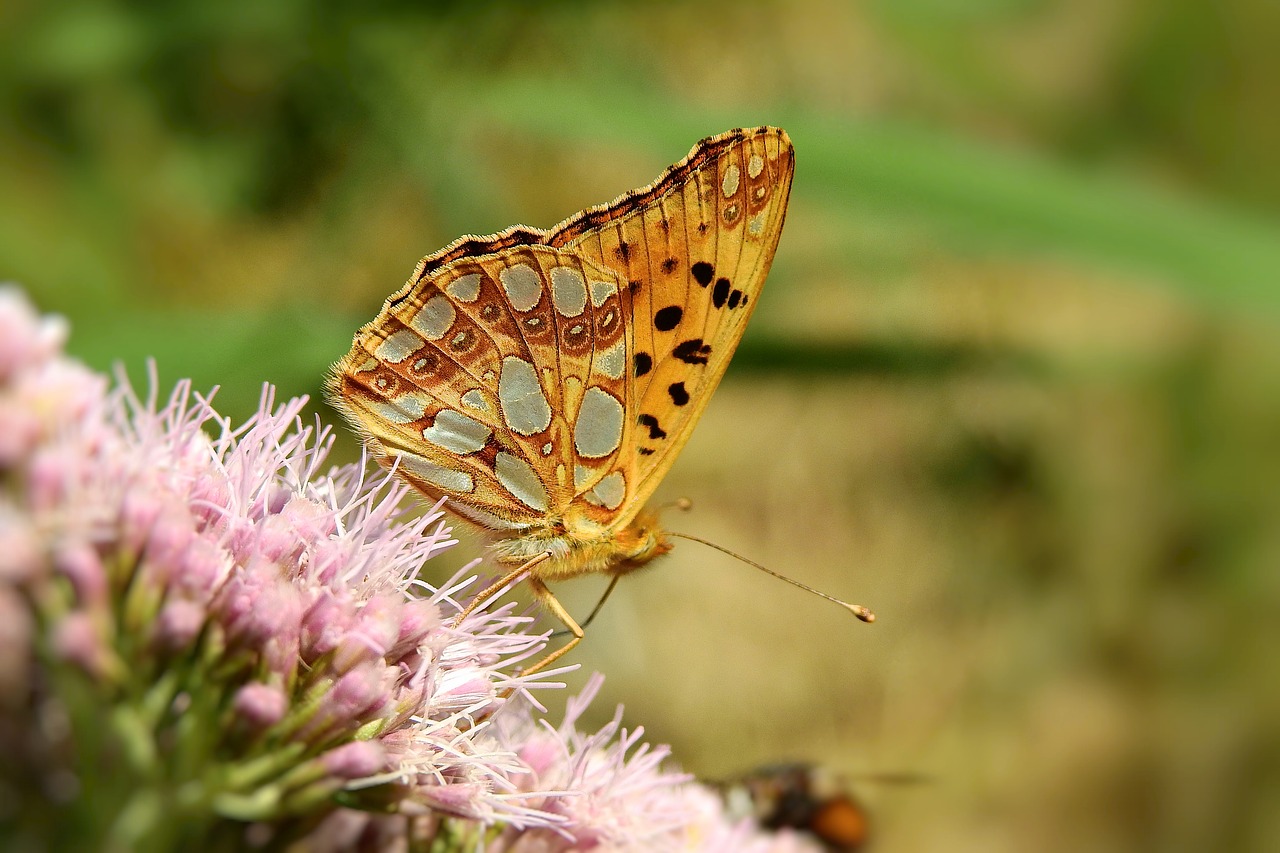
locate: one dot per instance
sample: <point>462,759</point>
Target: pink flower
<point>261,705</point>
<point>236,626</point>
<point>356,760</point>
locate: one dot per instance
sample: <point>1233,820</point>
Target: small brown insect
<point>796,796</point>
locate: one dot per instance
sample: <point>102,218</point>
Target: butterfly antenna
<point>856,609</point>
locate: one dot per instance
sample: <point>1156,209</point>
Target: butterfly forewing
<point>695,257</point>
<point>531,373</point>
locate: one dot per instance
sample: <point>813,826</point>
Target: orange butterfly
<point>544,381</point>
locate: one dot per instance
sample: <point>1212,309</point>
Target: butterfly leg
<point>493,589</point>
<point>548,600</point>
<point>599,604</point>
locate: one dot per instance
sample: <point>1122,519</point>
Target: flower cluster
<point>210,639</point>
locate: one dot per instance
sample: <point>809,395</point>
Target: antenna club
<point>861,612</point>
<point>856,609</point>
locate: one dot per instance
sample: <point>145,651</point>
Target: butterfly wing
<point>484,381</point>
<point>694,247</point>
<point>531,371</point>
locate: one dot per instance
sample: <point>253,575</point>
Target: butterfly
<point>544,381</point>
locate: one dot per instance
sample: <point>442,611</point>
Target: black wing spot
<point>679,396</point>
<point>703,272</point>
<point>634,287</point>
<point>692,351</point>
<point>646,451</point>
<point>720,292</point>
<point>735,298</point>
<point>668,318</point>
<point>643,363</point>
<point>651,422</point>
<point>669,265</point>
<point>623,251</point>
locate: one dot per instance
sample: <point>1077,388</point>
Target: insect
<point>544,381</point>
<point>803,797</point>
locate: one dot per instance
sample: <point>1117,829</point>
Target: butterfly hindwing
<point>498,381</point>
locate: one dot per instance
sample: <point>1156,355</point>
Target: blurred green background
<point>1015,381</point>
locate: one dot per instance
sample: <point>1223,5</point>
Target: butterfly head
<point>639,542</point>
